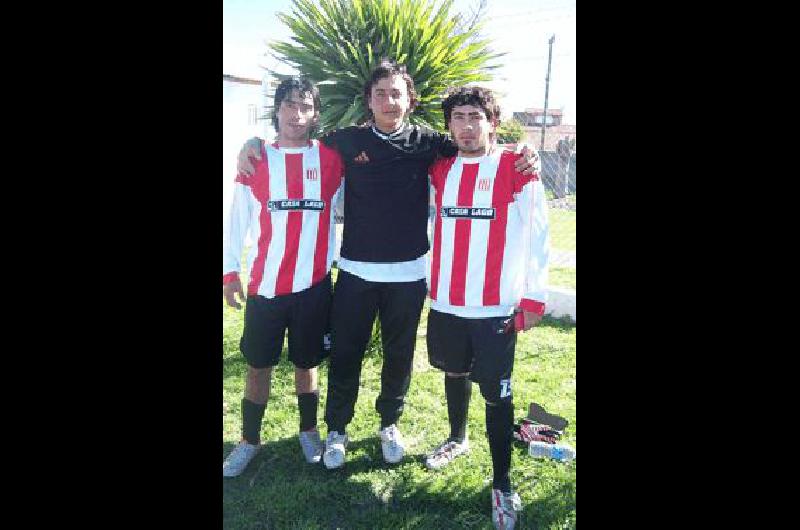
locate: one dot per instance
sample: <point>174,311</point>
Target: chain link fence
<point>559,175</point>
<point>559,171</point>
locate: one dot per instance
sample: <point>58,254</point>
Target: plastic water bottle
<point>560,452</point>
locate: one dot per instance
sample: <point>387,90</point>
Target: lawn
<point>563,277</point>
<point>562,238</point>
<point>280,490</point>
<point>562,228</point>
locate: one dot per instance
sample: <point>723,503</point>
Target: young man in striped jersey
<point>384,243</point>
<point>488,266</point>
<point>287,205</point>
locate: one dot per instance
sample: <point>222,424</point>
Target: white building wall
<point>243,116</point>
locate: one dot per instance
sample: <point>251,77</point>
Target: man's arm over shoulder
<point>251,152</point>
<point>341,140</point>
<point>444,146</point>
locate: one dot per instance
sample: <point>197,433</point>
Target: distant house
<point>532,121</point>
<point>555,129</point>
<point>243,107</point>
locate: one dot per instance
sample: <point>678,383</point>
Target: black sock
<point>252,414</point>
<point>499,430</point>
<point>307,404</point>
<point>458,391</point>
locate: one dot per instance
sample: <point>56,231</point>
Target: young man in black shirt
<point>382,259</point>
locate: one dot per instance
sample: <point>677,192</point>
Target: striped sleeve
<point>533,207</point>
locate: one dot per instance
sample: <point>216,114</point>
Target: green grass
<point>562,228</point>
<point>562,277</point>
<point>280,490</point>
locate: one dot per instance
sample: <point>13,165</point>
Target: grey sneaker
<point>505,509</point>
<point>446,453</point>
<point>237,461</point>
<point>312,446</point>
<point>335,445</point>
<point>392,444</point>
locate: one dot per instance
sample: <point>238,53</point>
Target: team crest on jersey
<point>483,184</point>
<point>312,174</point>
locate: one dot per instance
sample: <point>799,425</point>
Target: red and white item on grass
<point>528,431</point>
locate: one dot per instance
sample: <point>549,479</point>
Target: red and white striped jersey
<point>490,237</point>
<point>288,207</point>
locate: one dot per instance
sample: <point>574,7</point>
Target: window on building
<point>551,120</point>
<point>252,115</point>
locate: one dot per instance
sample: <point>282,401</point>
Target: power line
<point>510,57</point>
<point>530,14</point>
<point>565,8</point>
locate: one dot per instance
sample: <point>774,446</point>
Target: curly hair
<point>471,95</point>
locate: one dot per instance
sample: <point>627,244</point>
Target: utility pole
<point>547,90</point>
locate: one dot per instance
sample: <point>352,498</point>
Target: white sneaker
<point>312,445</point>
<point>237,461</point>
<point>392,444</point>
<point>446,453</point>
<point>505,509</point>
<point>335,445</point>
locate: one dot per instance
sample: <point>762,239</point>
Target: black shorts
<point>459,345</point>
<point>306,314</point>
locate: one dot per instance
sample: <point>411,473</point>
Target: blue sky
<point>520,28</point>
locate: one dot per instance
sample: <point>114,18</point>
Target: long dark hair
<point>303,86</point>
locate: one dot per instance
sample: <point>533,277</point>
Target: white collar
<point>397,133</point>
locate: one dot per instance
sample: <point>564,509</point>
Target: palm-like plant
<point>337,43</point>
